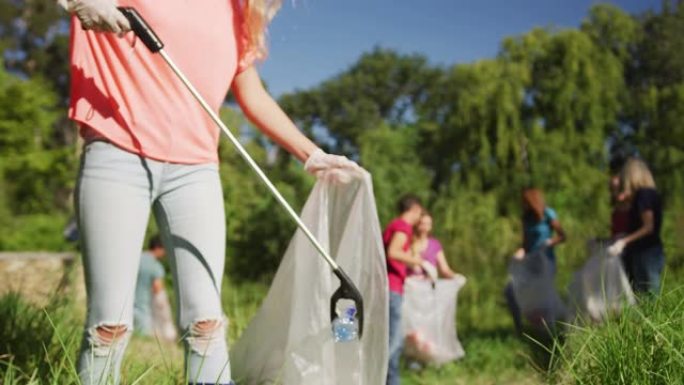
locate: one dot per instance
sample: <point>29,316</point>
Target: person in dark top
<point>641,249</point>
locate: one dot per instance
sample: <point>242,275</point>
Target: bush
<point>35,232</point>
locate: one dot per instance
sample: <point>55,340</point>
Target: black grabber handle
<point>142,30</point>
<point>347,290</point>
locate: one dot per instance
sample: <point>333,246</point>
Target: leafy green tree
<point>470,124</point>
<point>391,156</point>
<point>34,40</point>
<point>657,83</point>
<point>381,87</point>
<point>37,171</point>
<point>258,229</point>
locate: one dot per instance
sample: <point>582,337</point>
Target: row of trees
<point>550,104</point>
<point>550,109</point>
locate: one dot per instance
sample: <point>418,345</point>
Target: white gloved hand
<point>430,270</point>
<point>98,15</point>
<point>334,168</point>
<point>617,247</point>
<point>519,254</point>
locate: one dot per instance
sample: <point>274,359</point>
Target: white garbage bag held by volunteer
<point>429,320</point>
<point>600,287</point>
<point>532,284</point>
<point>429,306</point>
<point>290,341</point>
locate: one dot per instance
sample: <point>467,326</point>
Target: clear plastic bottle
<point>346,327</point>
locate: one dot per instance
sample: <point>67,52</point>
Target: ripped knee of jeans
<point>205,335</point>
<point>105,338</point>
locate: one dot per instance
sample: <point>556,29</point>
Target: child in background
<point>151,310</point>
<point>397,239</point>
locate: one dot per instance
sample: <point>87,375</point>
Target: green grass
<point>39,345</point>
<point>645,345</point>
<point>495,357</point>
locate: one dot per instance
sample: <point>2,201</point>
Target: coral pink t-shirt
<point>396,271</point>
<point>129,96</point>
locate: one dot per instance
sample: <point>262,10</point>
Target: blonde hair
<point>257,14</point>
<point>635,175</point>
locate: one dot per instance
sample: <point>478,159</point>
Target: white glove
<point>519,254</point>
<point>617,247</point>
<point>430,270</point>
<point>98,15</point>
<point>334,168</point>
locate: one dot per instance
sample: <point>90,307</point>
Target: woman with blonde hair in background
<point>149,146</point>
<point>641,248</point>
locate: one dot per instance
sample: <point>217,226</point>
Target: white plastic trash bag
<point>162,320</point>
<point>533,283</point>
<point>429,320</point>
<point>601,286</point>
<point>289,341</point>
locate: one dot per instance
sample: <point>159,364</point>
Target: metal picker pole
<point>347,289</point>
<point>241,150</point>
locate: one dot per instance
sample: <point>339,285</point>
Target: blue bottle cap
<point>351,312</point>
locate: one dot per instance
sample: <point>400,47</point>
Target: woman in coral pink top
<point>150,147</point>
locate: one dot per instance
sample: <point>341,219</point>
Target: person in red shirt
<point>397,238</point>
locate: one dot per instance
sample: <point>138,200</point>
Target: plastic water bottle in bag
<point>346,327</point>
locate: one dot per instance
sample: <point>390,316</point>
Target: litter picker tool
<point>347,289</point>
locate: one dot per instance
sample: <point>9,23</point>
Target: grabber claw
<point>347,290</point>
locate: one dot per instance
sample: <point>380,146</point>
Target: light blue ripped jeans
<point>115,192</point>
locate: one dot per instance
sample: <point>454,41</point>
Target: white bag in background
<point>289,341</point>
<point>429,320</point>
<point>532,279</point>
<point>162,319</point>
<point>601,286</point>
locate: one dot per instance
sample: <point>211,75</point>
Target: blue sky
<point>312,40</point>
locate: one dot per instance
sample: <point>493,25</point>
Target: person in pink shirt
<point>397,238</point>
<point>430,250</point>
<point>150,147</point>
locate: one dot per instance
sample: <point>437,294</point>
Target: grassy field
<point>38,345</point>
